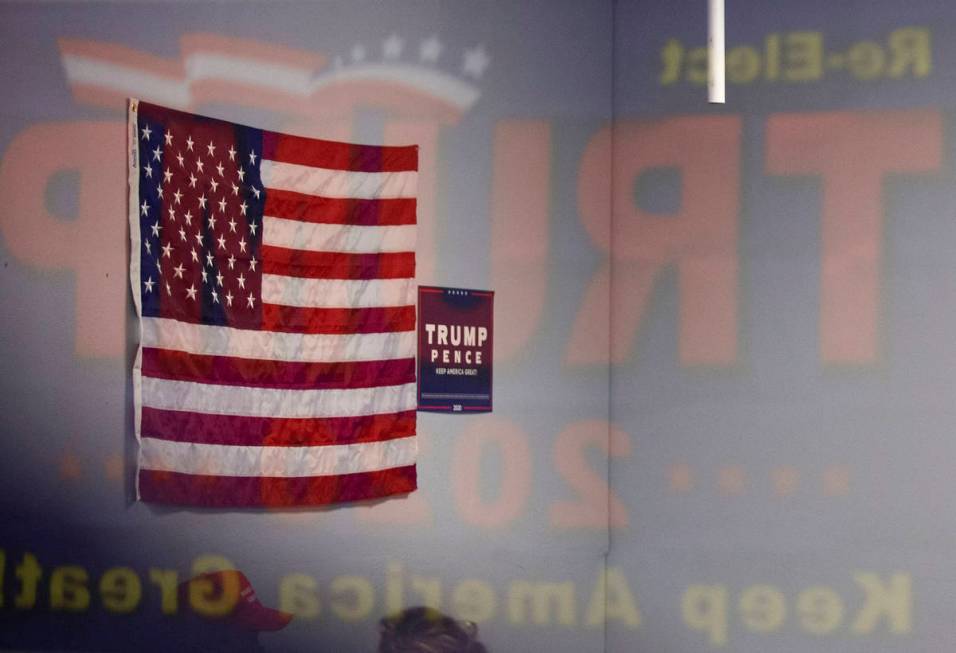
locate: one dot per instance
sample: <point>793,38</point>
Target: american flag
<point>274,276</point>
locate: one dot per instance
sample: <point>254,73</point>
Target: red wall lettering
<point>852,152</point>
<point>700,238</point>
<point>94,246</point>
<point>521,190</point>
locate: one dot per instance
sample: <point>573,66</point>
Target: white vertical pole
<point>716,91</point>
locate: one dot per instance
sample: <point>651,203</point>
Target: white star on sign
<point>199,238</point>
<point>222,205</point>
<point>168,250</point>
<point>169,137</point>
<point>252,228</point>
<point>205,276</point>
<point>189,143</point>
<point>149,283</point>
<point>192,180</point>
<point>157,153</point>
<point>252,264</point>
<point>214,184</point>
<point>179,270</point>
<point>232,261</point>
<point>430,49</point>
<point>475,62</point>
<point>215,296</point>
<point>209,259</point>
<point>199,164</point>
<point>147,132</point>
<point>188,216</point>
<point>232,153</point>
<point>255,191</point>
<point>191,292</point>
<point>179,196</point>
<point>145,207</point>
<point>211,149</point>
<point>195,257</point>
<point>156,229</point>
<point>179,157</point>
<point>222,242</point>
<point>211,221</point>
<point>220,168</point>
<point>202,201</point>
<point>252,157</point>
<point>392,47</point>
<point>229,298</point>
<point>242,174</point>
<point>148,170</point>
<point>235,189</point>
<point>182,234</point>
<point>242,245</point>
<point>250,300</point>
<point>243,207</point>
<point>232,225</point>
<point>219,278</point>
<point>242,281</point>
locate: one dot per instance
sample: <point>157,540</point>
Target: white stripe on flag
<point>351,239</point>
<point>338,183</point>
<point>164,333</point>
<point>337,293</point>
<point>272,402</point>
<point>287,462</point>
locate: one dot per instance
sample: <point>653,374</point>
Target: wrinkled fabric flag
<point>274,277</point>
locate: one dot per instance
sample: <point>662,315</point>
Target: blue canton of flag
<point>201,207</point>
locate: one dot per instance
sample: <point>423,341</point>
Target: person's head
<point>424,630</point>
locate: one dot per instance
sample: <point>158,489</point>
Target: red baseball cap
<point>248,612</point>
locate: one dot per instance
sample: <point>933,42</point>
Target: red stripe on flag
<point>338,156</point>
<point>295,319</point>
<point>235,491</point>
<point>337,265</point>
<point>290,205</point>
<point>206,428</point>
<point>226,370</point>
